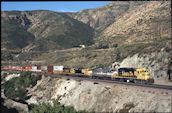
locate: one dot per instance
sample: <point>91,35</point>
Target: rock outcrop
<point>85,95</point>
<point>158,64</point>
<point>11,76</point>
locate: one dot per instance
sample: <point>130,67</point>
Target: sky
<point>57,6</point>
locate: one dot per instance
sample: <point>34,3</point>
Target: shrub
<point>15,87</point>
<point>56,108</point>
<point>100,66</point>
<point>102,46</point>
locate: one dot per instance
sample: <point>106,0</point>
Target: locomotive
<point>77,72</point>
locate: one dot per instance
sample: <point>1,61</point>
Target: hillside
<point>148,21</point>
<point>102,17</point>
<point>142,28</point>
<point>50,30</point>
<point>14,35</point>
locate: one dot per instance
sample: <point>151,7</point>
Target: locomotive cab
<point>88,72</point>
<point>143,74</point>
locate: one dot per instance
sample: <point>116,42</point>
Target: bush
<point>102,46</point>
<point>115,45</point>
<point>100,66</point>
<point>15,87</point>
<point>56,108</point>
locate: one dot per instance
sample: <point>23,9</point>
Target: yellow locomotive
<point>139,75</point>
<point>77,72</point>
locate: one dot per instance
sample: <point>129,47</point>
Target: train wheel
<point>143,82</point>
<point>121,80</point>
<point>136,81</point>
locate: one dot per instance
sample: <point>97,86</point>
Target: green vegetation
<point>102,46</point>
<point>90,58</point>
<point>100,66</point>
<point>14,36</point>
<point>142,47</point>
<point>16,87</point>
<point>56,108</point>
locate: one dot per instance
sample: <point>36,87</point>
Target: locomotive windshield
<point>144,71</point>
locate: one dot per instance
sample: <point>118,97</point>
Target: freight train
<point>136,75</point>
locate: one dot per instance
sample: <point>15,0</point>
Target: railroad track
<point>112,81</point>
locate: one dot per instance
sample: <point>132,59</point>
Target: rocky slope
<point>101,17</point>
<point>143,22</point>
<point>84,95</point>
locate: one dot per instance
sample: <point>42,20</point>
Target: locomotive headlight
<point>147,74</point>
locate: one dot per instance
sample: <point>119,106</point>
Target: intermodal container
<point>27,68</point>
<point>44,69</point>
<point>17,68</point>
<point>14,67</point>
<point>20,68</point>
<point>24,68</point>
<point>10,67</point>
<point>50,69</point>
<point>34,68</point>
<point>5,67</point>
<point>38,69</point>
<point>30,68</point>
<point>57,69</point>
